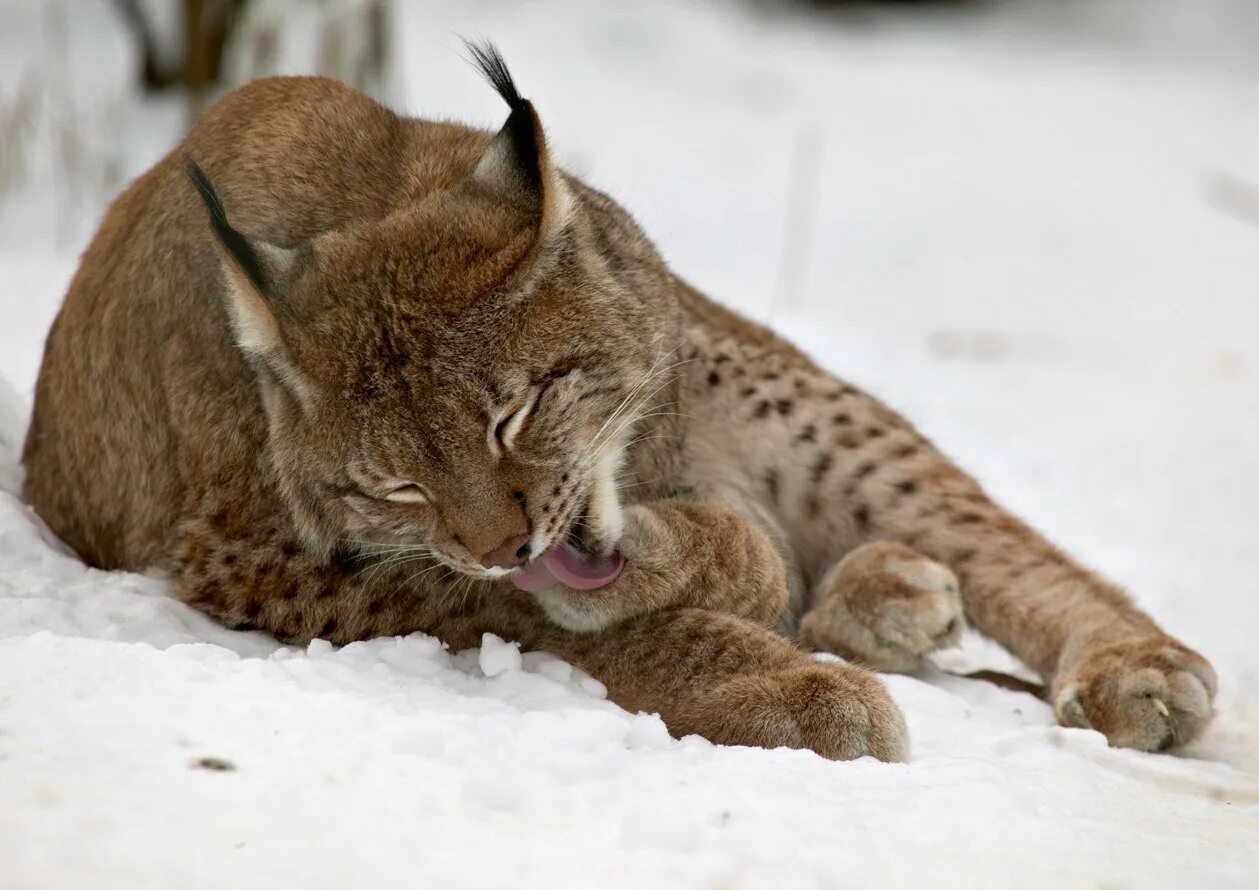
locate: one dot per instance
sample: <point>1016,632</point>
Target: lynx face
<point>486,433</point>
<point>459,379</point>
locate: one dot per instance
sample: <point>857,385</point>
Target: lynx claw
<point>1148,694</point>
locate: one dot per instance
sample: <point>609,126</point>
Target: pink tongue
<point>570,567</point>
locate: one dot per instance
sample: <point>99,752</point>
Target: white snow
<point>1031,229</point>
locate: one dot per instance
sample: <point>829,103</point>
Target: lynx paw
<point>1150,694</point>
<point>837,711</point>
<point>887,606</point>
<point>581,611</point>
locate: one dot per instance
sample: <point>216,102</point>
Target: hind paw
<point>1148,693</point>
<point>886,606</point>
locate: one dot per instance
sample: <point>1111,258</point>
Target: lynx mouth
<point>566,564</point>
<point>571,562</point>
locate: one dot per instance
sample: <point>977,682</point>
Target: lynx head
<point>463,375</point>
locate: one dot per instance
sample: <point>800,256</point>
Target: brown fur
<point>327,443</point>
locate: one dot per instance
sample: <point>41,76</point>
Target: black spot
<point>908,486</point>
<point>342,557</point>
<point>762,408</point>
<point>228,559</point>
<point>252,608</point>
<point>808,434</point>
<point>376,606</point>
<point>208,592</point>
<point>771,482</point>
<point>784,406</point>
<point>861,516</point>
<point>720,358</point>
<point>968,518</point>
<point>563,478</point>
<point>964,556</point>
<point>821,467</point>
<point>213,764</point>
<point>328,629</point>
<point>291,591</point>
<point>289,550</point>
<point>772,375</point>
<point>876,432</point>
<point>800,384</point>
<point>905,451</point>
<point>713,378</point>
<point>842,419</point>
<point>748,391</point>
<point>865,469</point>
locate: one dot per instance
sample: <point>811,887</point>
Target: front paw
<point>582,611</point>
<point>1149,693</point>
<point>832,709</point>
<point>699,555</point>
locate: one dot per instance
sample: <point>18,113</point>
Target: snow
<point>1018,238</point>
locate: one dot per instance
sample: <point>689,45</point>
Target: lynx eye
<point>503,432</point>
<point>407,493</point>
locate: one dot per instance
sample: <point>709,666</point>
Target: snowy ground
<point>1038,239</point>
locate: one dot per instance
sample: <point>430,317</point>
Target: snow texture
<point>1030,227</point>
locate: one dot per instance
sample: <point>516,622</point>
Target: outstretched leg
<point>738,684</point>
<point>1107,664</point>
<point>884,606</point>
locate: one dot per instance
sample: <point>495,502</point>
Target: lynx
<point>345,374</point>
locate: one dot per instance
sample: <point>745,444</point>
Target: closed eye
<point>407,493</point>
<point>504,432</point>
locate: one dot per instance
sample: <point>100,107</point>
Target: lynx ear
<point>253,270</point>
<point>517,164</point>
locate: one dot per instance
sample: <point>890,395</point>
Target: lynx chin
<point>344,374</point>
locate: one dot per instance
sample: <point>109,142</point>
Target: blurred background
<point>1031,225</point>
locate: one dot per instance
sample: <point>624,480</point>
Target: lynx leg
<point>735,683</point>
<point>1107,664</point>
<point>885,606</point>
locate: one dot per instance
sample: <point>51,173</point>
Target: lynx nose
<point>509,554</point>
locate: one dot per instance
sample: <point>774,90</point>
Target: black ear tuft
<point>236,244</point>
<point>489,61</point>
<point>522,128</point>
